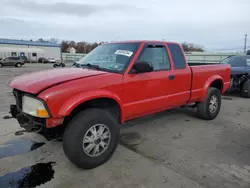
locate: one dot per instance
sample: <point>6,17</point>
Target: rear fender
<point>80,98</point>
<point>208,84</point>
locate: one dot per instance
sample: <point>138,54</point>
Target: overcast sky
<point>215,24</point>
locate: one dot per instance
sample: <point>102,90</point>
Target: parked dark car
<point>248,52</point>
<point>43,60</point>
<point>12,61</point>
<point>240,74</point>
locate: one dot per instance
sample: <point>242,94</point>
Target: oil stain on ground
<point>227,98</point>
<point>29,177</point>
<point>177,136</point>
<point>130,140</point>
<point>17,147</point>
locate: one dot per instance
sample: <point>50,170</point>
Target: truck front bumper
<point>34,124</point>
<point>29,123</point>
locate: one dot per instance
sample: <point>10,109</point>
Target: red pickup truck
<point>114,83</point>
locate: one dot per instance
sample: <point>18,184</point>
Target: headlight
<point>34,107</point>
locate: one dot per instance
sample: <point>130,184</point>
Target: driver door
<point>146,93</point>
<point>6,61</point>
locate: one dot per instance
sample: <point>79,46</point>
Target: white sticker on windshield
<point>124,52</point>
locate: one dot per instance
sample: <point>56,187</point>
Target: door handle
<point>171,77</point>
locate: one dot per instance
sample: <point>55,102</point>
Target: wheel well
<point>103,103</point>
<point>217,84</point>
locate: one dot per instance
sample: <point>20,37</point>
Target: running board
<point>189,106</point>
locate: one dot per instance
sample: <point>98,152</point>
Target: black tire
<point>203,107</point>
<point>1,65</point>
<point>78,127</point>
<point>55,65</point>
<point>18,65</point>
<point>63,65</point>
<point>245,90</point>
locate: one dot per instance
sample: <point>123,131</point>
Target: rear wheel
<point>91,138</point>
<point>245,91</point>
<point>1,65</point>
<point>18,65</point>
<point>55,65</point>
<point>210,108</point>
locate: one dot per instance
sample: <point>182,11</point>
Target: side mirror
<point>142,67</point>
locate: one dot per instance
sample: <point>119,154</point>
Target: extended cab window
<point>157,55</point>
<point>177,56</point>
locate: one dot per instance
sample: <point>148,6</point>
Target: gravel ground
<point>169,149</point>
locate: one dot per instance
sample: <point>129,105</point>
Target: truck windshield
<point>237,61</point>
<point>112,57</point>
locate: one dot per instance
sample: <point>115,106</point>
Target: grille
<point>18,96</point>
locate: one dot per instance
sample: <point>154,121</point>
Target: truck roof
<point>140,41</point>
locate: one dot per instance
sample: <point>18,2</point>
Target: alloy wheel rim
<point>213,104</point>
<point>96,140</point>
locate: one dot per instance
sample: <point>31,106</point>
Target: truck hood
<point>240,70</point>
<point>35,82</point>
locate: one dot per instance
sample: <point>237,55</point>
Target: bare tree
<point>190,47</point>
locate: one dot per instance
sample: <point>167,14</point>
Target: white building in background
<point>71,50</point>
<point>33,50</point>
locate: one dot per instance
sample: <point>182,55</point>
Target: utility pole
<point>245,44</point>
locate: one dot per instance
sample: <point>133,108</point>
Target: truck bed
<point>202,74</point>
<point>199,64</point>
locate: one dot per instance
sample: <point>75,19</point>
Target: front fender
<point>208,84</point>
<point>80,98</point>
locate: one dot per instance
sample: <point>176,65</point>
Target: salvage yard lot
<point>168,149</point>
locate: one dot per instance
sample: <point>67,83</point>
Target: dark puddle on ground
<point>29,177</point>
<point>7,117</point>
<point>18,133</point>
<point>17,147</point>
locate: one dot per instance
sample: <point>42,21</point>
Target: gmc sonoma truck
<point>114,83</point>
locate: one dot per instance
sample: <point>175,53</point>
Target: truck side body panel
<point>63,98</point>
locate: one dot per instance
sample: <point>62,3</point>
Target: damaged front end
<point>240,82</point>
<point>28,122</point>
<point>46,127</point>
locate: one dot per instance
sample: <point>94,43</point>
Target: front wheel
<point>1,65</point>
<point>55,65</point>
<point>91,138</point>
<point>210,108</point>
